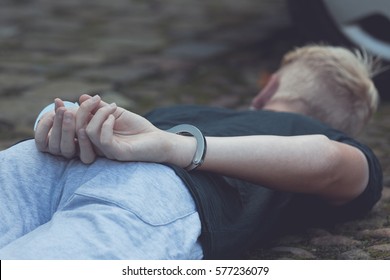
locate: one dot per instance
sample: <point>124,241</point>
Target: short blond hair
<point>333,82</point>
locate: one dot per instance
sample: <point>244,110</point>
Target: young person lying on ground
<point>101,182</point>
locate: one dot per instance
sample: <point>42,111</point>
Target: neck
<point>282,105</point>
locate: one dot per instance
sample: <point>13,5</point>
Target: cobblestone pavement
<point>143,54</point>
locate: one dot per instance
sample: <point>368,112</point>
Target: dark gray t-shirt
<point>237,215</point>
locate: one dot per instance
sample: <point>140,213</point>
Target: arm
<point>310,164</point>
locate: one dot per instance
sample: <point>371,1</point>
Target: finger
<point>58,104</point>
<point>95,125</point>
<point>87,153</point>
<point>68,145</point>
<point>42,131</point>
<point>85,111</point>
<point>56,131</point>
<point>85,97</point>
<point>107,135</point>
<point>107,130</point>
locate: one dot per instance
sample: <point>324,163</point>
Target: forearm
<point>297,164</point>
<point>307,164</point>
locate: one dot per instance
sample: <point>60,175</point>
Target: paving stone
<point>69,89</point>
<point>139,41</point>
<point>356,254</point>
<point>298,253</point>
<point>386,193</point>
<point>11,84</point>
<point>43,43</point>
<point>118,74</point>
<point>380,247</point>
<point>85,59</point>
<point>334,240</point>
<point>8,31</point>
<point>55,26</point>
<point>197,50</point>
<point>120,99</point>
<point>291,239</point>
<point>386,178</point>
<point>375,233</point>
<point>318,232</point>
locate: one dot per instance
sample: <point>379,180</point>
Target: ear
<point>266,93</point>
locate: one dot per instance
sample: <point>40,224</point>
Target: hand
<point>97,128</point>
<point>118,133</point>
<point>55,132</point>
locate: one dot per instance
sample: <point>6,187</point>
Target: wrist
<point>201,145</point>
<point>181,149</point>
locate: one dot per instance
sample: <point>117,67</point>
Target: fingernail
<point>96,98</point>
<point>113,105</point>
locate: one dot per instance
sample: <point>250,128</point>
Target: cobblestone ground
<point>143,54</point>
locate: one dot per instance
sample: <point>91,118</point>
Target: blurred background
<point>148,53</point>
<point>144,54</point>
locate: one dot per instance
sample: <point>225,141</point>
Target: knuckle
<point>105,143</point>
<point>87,159</point>
<point>39,142</point>
<point>85,105</point>
<point>89,131</point>
<point>68,151</point>
<point>121,157</point>
<point>45,124</point>
<point>106,125</point>
<point>40,146</point>
<point>100,112</point>
<point>54,151</point>
<point>68,155</point>
<point>67,129</point>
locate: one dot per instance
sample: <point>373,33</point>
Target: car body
<point>364,24</point>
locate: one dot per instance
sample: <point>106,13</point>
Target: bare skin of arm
<point>310,164</point>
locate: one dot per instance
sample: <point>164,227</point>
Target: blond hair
<point>334,84</point>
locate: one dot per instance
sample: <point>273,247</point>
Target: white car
<point>360,23</point>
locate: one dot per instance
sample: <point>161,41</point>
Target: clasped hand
<point>98,129</point>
